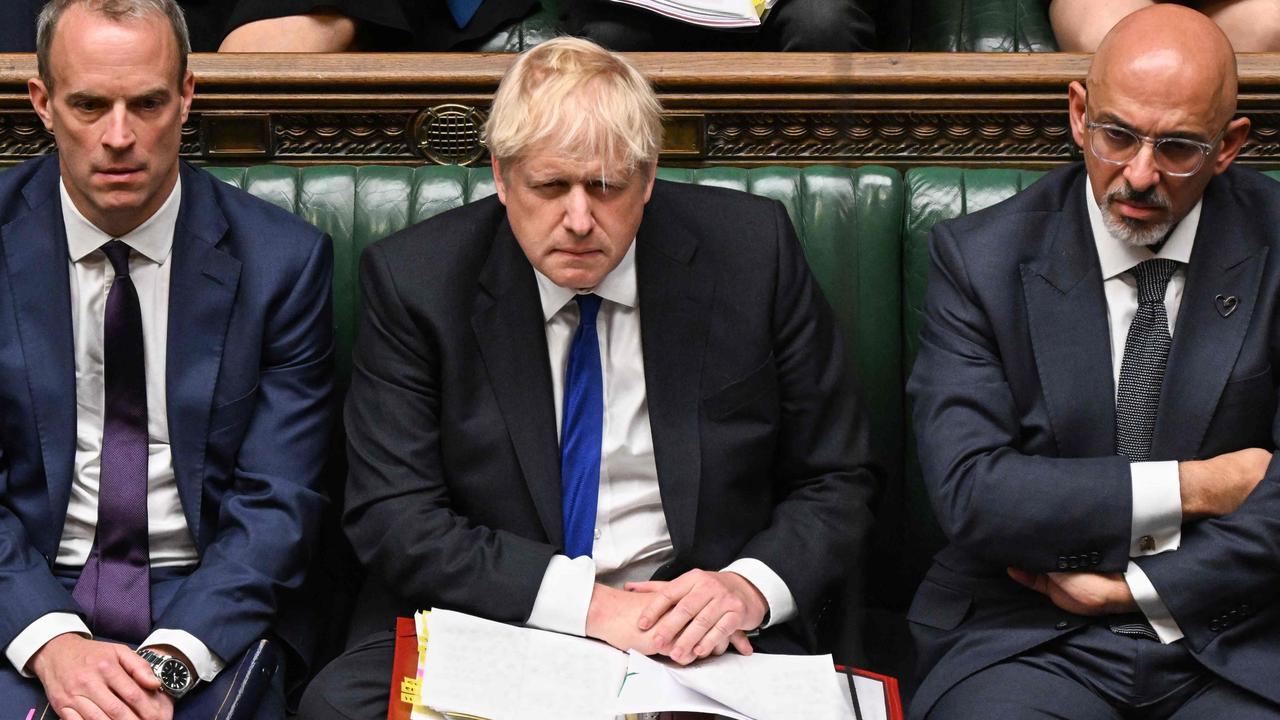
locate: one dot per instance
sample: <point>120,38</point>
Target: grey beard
<point>1132,232</point>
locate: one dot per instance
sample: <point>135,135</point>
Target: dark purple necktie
<point>115,587</point>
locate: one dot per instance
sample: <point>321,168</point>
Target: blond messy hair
<point>574,99</point>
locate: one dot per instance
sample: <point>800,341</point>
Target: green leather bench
<point>864,231</point>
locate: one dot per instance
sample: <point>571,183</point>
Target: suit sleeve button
<point>1061,625</point>
<point>1215,625</point>
<point>1062,564</point>
<point>1094,558</point>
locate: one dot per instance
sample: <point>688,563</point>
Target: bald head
<point>1171,51</point>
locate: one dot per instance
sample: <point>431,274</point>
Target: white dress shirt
<point>631,536</point>
<point>169,539</point>
<point>1157,498</point>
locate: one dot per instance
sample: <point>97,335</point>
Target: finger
<point>1033,581</point>
<point>670,628</point>
<point>700,629</point>
<point>741,642</point>
<point>140,701</point>
<point>89,709</point>
<point>137,668</point>
<point>717,638</point>
<point>656,607</point>
<point>68,713</point>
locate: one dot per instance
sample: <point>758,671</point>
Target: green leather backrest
<point>966,26</point>
<point>933,194</point>
<point>848,221</point>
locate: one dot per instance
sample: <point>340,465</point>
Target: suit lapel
<point>202,291</point>
<point>511,333</point>
<point>35,250</point>
<point>675,303</point>
<point>1067,315</point>
<point>1227,259</point>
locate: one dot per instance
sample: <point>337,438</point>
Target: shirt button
<point>1146,543</point>
<point>596,534</point>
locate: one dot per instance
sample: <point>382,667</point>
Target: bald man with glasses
<point>1095,397</point>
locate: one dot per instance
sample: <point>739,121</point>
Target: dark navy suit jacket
<point>1014,406</point>
<point>248,377</point>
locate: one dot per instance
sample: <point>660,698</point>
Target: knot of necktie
<point>118,253</point>
<point>1153,278</point>
<point>588,307</point>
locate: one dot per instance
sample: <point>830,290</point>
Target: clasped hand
<point>698,614</point>
<point>92,680</point>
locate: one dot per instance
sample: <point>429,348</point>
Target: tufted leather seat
<point>865,233</point>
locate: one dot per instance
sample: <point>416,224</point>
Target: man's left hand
<point>1081,593</point>
<point>701,613</point>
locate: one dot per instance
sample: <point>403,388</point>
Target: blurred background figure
<point>206,21</point>
<point>374,25</point>
<point>792,25</point>
<point>1251,25</point>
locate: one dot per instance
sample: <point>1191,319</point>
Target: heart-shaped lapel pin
<point>1226,304</point>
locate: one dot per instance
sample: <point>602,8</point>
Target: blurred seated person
<point>206,24</point>
<point>371,25</point>
<point>792,25</point>
<point>1251,25</point>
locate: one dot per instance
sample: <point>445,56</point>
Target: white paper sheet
<point>769,687</point>
<point>497,671</point>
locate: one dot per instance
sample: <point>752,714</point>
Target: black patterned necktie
<point>114,589</point>
<point>1146,352</point>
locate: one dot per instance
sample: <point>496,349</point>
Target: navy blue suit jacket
<point>248,378</point>
<point>1014,405</point>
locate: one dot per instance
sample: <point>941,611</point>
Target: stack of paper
<point>711,13</point>
<point>501,672</point>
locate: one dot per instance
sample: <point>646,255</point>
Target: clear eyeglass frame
<point>1162,158</point>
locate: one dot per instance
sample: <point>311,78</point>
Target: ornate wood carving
<point>728,108</point>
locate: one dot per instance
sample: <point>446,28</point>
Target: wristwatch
<point>176,679</point>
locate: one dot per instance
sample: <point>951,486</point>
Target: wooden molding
<point>898,109</point>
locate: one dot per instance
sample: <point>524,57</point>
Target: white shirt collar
<point>618,286</point>
<point>153,239</point>
<point>1118,257</point>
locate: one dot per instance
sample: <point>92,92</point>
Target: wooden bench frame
<point>897,109</point>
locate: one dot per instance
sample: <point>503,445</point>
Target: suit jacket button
<point>1061,625</point>
<point>1146,543</point>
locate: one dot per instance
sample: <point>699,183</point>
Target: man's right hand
<point>92,680</point>
<point>614,617</point>
<point>1219,485</point>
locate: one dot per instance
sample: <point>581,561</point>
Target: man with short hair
<point>599,403</point>
<point>165,375</point>
<point>1095,397</point>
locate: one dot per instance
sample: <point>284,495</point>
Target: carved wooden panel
<point>730,108</point>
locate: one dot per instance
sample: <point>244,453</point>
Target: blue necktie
<point>463,10</point>
<point>581,432</point>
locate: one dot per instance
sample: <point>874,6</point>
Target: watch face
<point>175,675</point>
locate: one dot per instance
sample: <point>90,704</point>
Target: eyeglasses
<point>1175,156</point>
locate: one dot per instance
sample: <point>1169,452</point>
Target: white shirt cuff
<point>782,606</point>
<point>45,628</point>
<point>1144,593</point>
<point>1157,508</point>
<point>206,664</point>
<point>564,596</point>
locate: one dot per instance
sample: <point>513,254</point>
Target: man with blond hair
<point>1095,397</point>
<point>166,346</point>
<point>611,406</point>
